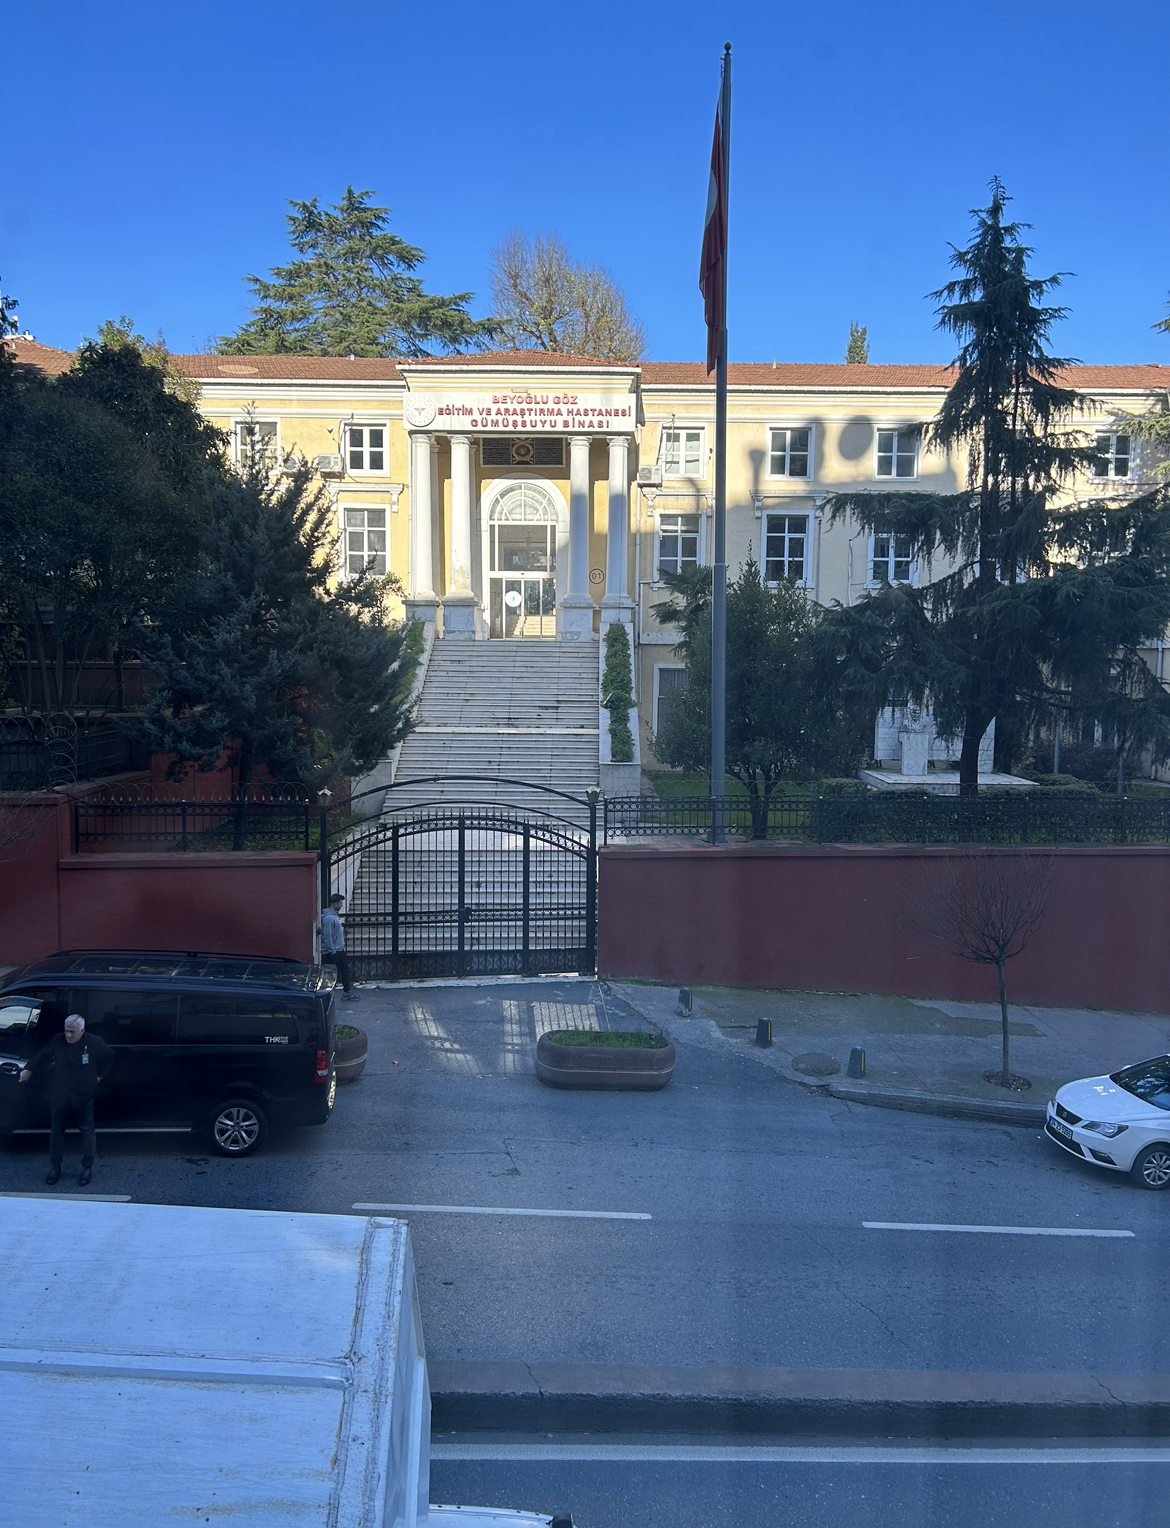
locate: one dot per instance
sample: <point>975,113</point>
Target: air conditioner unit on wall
<point>649,477</point>
<point>328,465</point>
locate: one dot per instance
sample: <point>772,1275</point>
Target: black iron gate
<point>467,891</point>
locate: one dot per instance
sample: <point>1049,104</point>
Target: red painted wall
<point>826,919</point>
<point>51,899</point>
<point>30,914</point>
<point>234,904</point>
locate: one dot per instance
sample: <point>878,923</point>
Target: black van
<point>221,1044</point>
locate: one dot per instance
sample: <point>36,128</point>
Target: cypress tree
<point>1048,601</point>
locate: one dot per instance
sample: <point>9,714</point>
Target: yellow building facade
<point>528,495</point>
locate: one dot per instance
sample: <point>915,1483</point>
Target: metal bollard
<point>856,1062</point>
<point>684,1002</point>
<point>763,1031</point>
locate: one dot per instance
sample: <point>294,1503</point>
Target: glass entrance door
<point>523,594</point>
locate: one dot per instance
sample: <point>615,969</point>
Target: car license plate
<point>1060,1128</point>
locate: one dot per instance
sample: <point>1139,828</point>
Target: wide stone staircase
<point>522,710</point>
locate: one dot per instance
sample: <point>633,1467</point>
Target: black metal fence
<point>38,753</point>
<point>189,826</point>
<point>1023,817</point>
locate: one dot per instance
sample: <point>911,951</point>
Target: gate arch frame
<point>559,833</point>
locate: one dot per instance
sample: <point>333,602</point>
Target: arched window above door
<point>524,504</point>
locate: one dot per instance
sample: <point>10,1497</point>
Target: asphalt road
<point>756,1250</point>
<point>879,1487</point>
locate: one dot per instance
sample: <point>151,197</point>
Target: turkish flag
<point>714,256</point>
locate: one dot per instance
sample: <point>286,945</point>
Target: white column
<point>577,605</point>
<point>422,600</point>
<point>459,603</point>
<point>617,600</point>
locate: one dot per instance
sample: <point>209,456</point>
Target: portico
<point>519,497</point>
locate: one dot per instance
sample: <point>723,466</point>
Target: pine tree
<point>352,291</point>
<point>1048,601</point>
<point>103,487</point>
<point>857,351</point>
<point>264,656</point>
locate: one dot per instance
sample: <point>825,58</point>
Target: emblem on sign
<point>512,599</point>
<point>419,410</point>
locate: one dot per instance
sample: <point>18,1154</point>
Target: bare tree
<point>546,300</point>
<point>984,906</point>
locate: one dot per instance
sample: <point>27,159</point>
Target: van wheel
<point>238,1126</point>
<point>1152,1167</point>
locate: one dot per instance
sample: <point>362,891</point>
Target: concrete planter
<point>602,1066</point>
<point>349,1059</point>
<point>621,779</point>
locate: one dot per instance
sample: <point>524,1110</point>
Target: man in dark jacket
<point>78,1062</point>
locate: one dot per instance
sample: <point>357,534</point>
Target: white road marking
<point>100,1198</point>
<point>483,1209</point>
<point>896,1225</point>
<point>685,1453</point>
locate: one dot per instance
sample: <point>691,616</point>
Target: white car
<point>1120,1122</point>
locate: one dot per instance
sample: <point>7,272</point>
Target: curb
<point>634,1398</point>
<point>951,1106</point>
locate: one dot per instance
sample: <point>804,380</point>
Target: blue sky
<point>150,149</point>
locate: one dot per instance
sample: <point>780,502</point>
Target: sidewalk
<point>925,1056</point>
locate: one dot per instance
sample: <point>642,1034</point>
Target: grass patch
<point>617,1039</point>
<point>670,783</point>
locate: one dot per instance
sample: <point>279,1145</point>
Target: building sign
<point>516,412</point>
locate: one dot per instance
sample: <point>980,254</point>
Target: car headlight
<point>1101,1128</point>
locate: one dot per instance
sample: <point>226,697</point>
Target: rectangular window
<point>365,542</point>
<point>785,539</point>
<point>678,543</point>
<point>215,1020</point>
<point>18,1018</point>
<point>256,442</point>
<point>366,447</point>
<point>1113,456</point>
<point>683,454</point>
<point>128,1018</point>
<point>897,454</point>
<point>671,683</point>
<point>788,453</point>
<point>891,561</point>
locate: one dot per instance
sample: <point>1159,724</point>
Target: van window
<point>226,1020</point>
<point>127,1018</point>
<point>18,1017</point>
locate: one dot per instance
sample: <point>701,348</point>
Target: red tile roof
<point>316,368</point>
<point>839,374</point>
<point>26,352</point>
<point>761,374</point>
<point>289,368</point>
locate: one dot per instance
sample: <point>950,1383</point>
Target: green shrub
<point>841,787</point>
<point>617,683</point>
<point>1066,785</point>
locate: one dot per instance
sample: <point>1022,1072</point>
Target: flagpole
<point>719,568</point>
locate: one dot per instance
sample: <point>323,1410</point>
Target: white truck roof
<point>220,1366</point>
